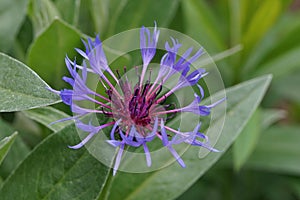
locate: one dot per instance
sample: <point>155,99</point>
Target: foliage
<point>259,144</point>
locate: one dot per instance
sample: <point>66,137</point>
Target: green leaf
<point>53,171</point>
<point>58,40</point>
<point>278,151</point>
<point>48,115</point>
<point>95,12</point>
<point>12,13</point>
<point>5,145</point>
<point>100,14</point>
<point>42,13</point>
<point>249,8</point>
<point>126,14</point>
<point>69,15</point>
<point>285,64</point>
<point>287,28</point>
<point>202,24</point>
<point>17,153</point>
<point>270,116</point>
<point>21,88</point>
<point>295,184</point>
<point>265,16</point>
<point>247,140</point>
<point>170,182</point>
<point>291,82</point>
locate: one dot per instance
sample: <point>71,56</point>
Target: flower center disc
<point>136,107</point>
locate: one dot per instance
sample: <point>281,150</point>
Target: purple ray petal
<point>147,154</point>
<point>176,156</point>
<point>118,159</point>
<point>83,142</point>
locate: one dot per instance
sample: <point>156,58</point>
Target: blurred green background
<point>264,162</point>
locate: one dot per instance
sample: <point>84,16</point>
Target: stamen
<point>107,114</point>
<point>159,90</point>
<point>103,84</point>
<point>163,98</point>
<point>119,76</point>
<point>155,90</point>
<point>109,93</point>
<point>169,105</point>
<point>111,86</point>
<point>171,116</point>
<point>146,86</point>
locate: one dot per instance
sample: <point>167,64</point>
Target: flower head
<point>136,111</point>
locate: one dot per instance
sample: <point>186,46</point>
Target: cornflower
<point>137,113</point>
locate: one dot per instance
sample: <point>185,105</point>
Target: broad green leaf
<point>42,13</point>
<point>170,182</point>
<point>5,145</point>
<point>21,88</point>
<point>58,40</point>
<point>278,151</point>
<point>17,153</point>
<point>53,171</point>
<point>48,115</point>
<point>126,14</point>
<point>12,13</point>
<point>247,140</point>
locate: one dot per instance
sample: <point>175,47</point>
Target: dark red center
<point>140,105</point>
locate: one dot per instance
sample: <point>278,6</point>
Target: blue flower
<point>135,113</point>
